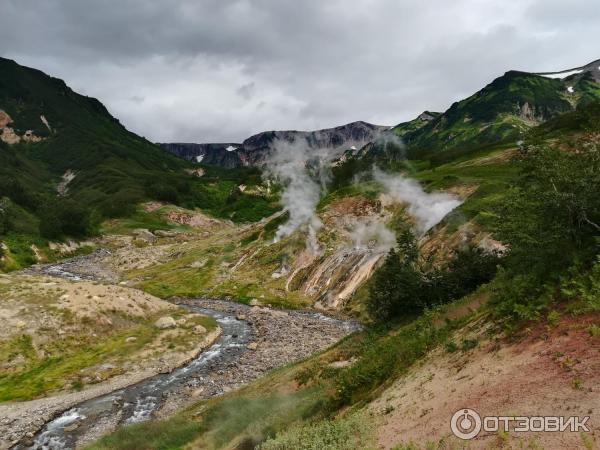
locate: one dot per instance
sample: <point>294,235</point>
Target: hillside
<point>524,342</point>
<point>504,110</point>
<point>66,164</point>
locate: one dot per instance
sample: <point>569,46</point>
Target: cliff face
<point>223,155</point>
<point>255,150</point>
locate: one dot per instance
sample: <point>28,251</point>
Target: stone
<point>199,329</point>
<point>144,234</point>
<point>240,317</point>
<point>254,302</point>
<point>252,346</point>
<point>165,322</point>
<point>131,339</point>
<point>71,428</point>
<point>165,233</point>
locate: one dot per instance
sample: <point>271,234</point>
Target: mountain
<point>460,266</point>
<point>592,69</point>
<point>62,133</point>
<point>255,150</point>
<point>418,122</point>
<point>66,164</point>
<point>223,155</point>
<point>532,210</point>
<point>503,110</point>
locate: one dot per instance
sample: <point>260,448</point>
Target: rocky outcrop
<point>222,155</point>
<point>10,136</point>
<point>165,322</point>
<point>592,70</point>
<point>255,150</point>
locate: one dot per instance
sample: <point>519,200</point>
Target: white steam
<point>298,168</point>
<point>304,173</point>
<point>428,208</point>
<point>369,234</point>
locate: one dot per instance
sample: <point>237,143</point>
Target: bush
<point>60,217</point>
<point>162,192</point>
<point>349,433</point>
<point>384,356</point>
<point>401,287</point>
<point>550,220</point>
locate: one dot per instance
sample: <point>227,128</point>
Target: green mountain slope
<point>502,111</point>
<point>81,136</point>
<point>66,164</point>
<point>416,124</point>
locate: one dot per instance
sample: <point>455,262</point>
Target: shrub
<point>349,433</point>
<point>401,287</point>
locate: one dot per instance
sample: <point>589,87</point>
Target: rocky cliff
<point>255,150</point>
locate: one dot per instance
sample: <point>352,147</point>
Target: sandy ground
<point>553,371</point>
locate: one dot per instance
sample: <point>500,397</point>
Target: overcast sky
<point>219,70</point>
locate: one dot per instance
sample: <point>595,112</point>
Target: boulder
<point>165,322</point>
<point>165,233</point>
<point>71,428</point>
<point>199,329</point>
<point>144,234</point>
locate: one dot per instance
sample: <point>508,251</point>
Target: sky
<point>222,70</point>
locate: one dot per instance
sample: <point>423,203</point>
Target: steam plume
<point>304,173</point>
<point>428,208</point>
<point>369,234</point>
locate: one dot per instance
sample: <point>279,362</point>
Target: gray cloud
<point>220,70</point>
<point>246,91</point>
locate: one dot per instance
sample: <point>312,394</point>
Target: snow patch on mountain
<point>561,75</point>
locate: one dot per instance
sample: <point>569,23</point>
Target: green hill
<point>501,112</point>
<point>66,164</point>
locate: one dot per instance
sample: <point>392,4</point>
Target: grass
<point>68,357</point>
<point>168,434</point>
<point>348,433</point>
<point>140,219</point>
<point>44,375</point>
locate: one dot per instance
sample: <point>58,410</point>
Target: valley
<point>344,288</point>
<point>235,345</point>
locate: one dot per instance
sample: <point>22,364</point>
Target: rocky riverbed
<point>279,337</point>
<point>255,339</point>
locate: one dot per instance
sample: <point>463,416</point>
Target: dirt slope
<point>554,370</point>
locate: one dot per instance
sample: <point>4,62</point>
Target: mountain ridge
<point>254,150</point>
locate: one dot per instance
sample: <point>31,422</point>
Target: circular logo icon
<point>465,424</point>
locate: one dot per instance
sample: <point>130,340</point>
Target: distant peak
<point>593,68</point>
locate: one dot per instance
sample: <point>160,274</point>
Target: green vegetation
<point>551,221</point>
<point>114,170</point>
<point>349,433</point>
<point>403,285</point>
<point>72,360</point>
<point>494,114</point>
<point>168,434</point>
